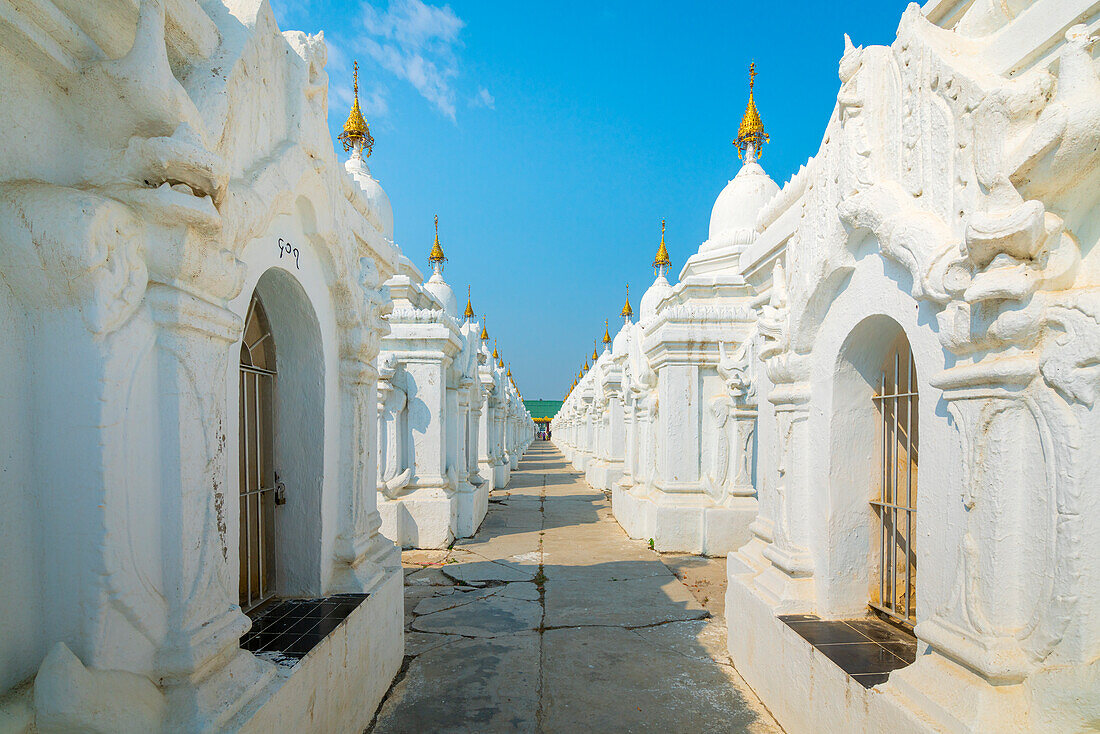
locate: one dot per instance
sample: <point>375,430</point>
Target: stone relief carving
<point>420,316</point>
<point>734,412</point>
<point>971,182</point>
<point>94,262</point>
<point>695,313</point>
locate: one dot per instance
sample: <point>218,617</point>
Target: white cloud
<point>484,99</point>
<point>416,42</point>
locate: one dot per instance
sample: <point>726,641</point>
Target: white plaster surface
<point>198,169</point>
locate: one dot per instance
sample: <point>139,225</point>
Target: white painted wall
<point>21,571</point>
<point>128,259</point>
<point>848,351</point>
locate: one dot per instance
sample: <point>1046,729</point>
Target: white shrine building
<point>452,424</point>
<point>922,293</point>
<point>196,296</point>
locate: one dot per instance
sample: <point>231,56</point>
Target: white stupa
<point>620,343</point>
<point>436,285</point>
<point>661,287</point>
<point>733,218</point>
<point>357,140</point>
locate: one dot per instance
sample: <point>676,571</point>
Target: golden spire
<point>661,260</point>
<point>509,371</point>
<point>627,310</point>
<point>437,252</point>
<point>595,354</point>
<point>484,332</point>
<point>356,131</point>
<point>469,309</point>
<point>606,333</point>
<point>496,355</point>
<point>751,133</point>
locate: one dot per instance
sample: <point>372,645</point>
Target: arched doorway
<point>281,442</point>
<point>257,459</point>
<point>894,508</point>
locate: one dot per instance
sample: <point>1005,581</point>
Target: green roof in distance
<point>542,408</point>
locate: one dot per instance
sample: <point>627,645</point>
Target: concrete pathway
<point>551,619</point>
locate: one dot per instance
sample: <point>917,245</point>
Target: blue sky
<point>551,138</point>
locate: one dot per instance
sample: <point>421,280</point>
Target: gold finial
<point>469,308</point>
<point>509,371</point>
<point>627,311</point>
<point>437,252</point>
<point>606,333</point>
<point>661,260</point>
<point>356,132</point>
<point>496,354</point>
<point>751,133</point>
<point>595,354</point>
<point>484,332</point>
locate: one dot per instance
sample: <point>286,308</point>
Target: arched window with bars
<point>257,460</point>
<point>894,508</point>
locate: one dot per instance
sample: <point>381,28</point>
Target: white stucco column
<point>197,611</point>
<point>427,395</point>
<point>787,584</point>
<point>679,424</point>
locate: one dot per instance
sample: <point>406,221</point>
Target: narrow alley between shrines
<point>551,619</point>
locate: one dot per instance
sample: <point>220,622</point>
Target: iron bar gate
<point>895,507</point>
<point>257,471</point>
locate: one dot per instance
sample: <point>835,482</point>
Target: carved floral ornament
<point>155,168</point>
<point>974,183</point>
<point>1001,267</point>
<point>152,222</point>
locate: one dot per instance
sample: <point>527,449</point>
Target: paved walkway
<point>552,620</point>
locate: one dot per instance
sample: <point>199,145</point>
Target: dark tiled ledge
<point>285,631</point>
<point>866,649</point>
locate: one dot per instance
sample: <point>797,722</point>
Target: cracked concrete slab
<point>449,601</point>
<point>575,628</point>
<point>704,639</point>
<point>489,616</point>
<point>601,570</point>
<point>474,569</point>
<point>667,692</point>
<point>621,603</point>
<point>480,685</point>
<point>503,547</point>
<point>420,642</point>
<point>428,577</point>
<point>520,590</point>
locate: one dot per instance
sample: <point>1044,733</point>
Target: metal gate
<point>257,449</point>
<point>895,507</point>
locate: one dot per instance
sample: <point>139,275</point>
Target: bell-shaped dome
<point>439,288</point>
<point>656,293</point>
<point>621,343</point>
<point>357,140</point>
<point>379,209</point>
<point>733,218</point>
